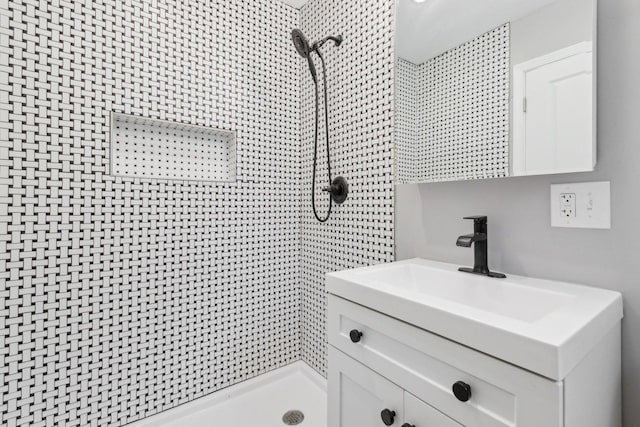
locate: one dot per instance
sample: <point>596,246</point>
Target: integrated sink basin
<point>544,326</point>
<point>504,297</point>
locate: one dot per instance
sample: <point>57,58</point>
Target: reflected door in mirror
<point>553,129</point>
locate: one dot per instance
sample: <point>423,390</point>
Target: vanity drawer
<point>417,413</point>
<point>427,366</point>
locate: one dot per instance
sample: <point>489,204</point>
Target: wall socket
<point>581,205</point>
<point>568,205</point>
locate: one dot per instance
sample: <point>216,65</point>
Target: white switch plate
<point>581,205</point>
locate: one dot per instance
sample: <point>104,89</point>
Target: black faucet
<point>479,238</point>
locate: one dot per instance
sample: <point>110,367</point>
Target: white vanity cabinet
<point>427,366</point>
<point>382,363</point>
<point>417,343</point>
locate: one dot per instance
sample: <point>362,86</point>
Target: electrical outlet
<point>581,205</point>
<point>568,205</point>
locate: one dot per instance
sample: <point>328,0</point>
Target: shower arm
<point>317,45</point>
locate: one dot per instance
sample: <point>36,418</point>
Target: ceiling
<point>295,3</point>
<point>427,29</point>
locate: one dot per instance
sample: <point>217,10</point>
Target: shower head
<point>303,48</point>
<point>300,42</point>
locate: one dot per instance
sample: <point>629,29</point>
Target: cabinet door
<point>419,414</point>
<point>358,396</point>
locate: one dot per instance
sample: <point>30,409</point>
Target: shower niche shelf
<point>150,148</point>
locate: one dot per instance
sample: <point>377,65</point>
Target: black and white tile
<point>149,148</point>
<point>361,84</point>
<point>123,297</point>
<point>461,112</point>
<point>463,130</point>
<point>406,125</point>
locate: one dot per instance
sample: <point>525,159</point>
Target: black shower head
<point>303,48</point>
<point>300,42</point>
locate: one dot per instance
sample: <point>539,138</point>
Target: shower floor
<point>259,402</point>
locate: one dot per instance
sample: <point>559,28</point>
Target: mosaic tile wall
<point>463,111</point>
<point>406,129</point>
<point>361,81</point>
<point>123,297</point>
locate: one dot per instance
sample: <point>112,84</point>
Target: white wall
<point>560,24</point>
<point>521,240</point>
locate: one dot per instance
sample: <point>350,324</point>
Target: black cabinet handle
<point>407,425</point>
<point>462,391</point>
<point>355,335</point>
<point>388,416</point>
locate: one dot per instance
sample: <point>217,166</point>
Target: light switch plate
<point>581,205</point>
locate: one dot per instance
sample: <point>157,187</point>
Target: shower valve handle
<point>338,189</point>
<point>331,189</point>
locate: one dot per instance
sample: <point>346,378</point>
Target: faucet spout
<point>479,239</point>
<point>468,239</point>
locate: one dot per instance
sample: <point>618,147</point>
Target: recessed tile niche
<point>150,148</point>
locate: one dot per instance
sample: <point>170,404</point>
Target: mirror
<point>494,88</point>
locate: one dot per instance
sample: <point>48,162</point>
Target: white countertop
<point>544,326</point>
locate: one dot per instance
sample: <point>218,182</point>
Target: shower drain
<point>292,418</point>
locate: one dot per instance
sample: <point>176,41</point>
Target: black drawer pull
<point>355,335</point>
<point>462,391</point>
<point>388,416</point>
